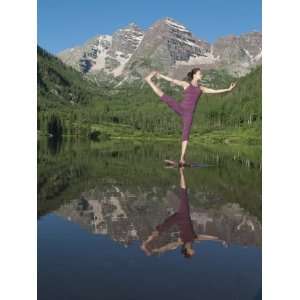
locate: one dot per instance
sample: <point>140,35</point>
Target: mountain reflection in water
<point>132,212</point>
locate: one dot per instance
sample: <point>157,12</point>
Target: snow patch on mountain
<point>258,56</point>
<point>122,60</point>
<point>251,57</point>
<point>188,43</point>
<point>104,44</point>
<point>177,26</point>
<point>248,53</point>
<point>207,58</point>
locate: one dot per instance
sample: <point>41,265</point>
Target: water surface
<point>98,203</point>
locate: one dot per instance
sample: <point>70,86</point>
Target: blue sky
<point>67,23</point>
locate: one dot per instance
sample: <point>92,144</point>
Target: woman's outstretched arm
<point>212,91</point>
<point>205,237</point>
<point>169,246</point>
<point>181,83</point>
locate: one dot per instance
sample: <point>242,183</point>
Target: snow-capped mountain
<point>168,46</point>
<point>239,54</point>
<point>165,44</point>
<point>104,52</point>
<point>127,217</point>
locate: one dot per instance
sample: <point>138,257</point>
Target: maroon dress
<point>182,218</point>
<point>185,108</point>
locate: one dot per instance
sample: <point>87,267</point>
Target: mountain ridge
<point>167,45</point>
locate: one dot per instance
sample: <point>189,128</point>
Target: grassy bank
<point>240,135</point>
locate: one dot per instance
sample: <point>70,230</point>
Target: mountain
<point>168,46</point>
<point>239,54</point>
<point>127,217</point>
<point>105,54</point>
<point>165,44</point>
<point>58,83</point>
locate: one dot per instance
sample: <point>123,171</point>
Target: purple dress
<point>185,108</point>
<point>182,218</point>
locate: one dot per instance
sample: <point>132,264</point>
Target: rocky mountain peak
<point>133,26</point>
<point>167,45</point>
<point>239,52</point>
<point>127,39</point>
<point>172,23</point>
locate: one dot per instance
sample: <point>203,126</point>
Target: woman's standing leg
<point>187,121</point>
<point>183,151</point>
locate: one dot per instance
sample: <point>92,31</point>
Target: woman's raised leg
<point>172,103</point>
<point>155,88</point>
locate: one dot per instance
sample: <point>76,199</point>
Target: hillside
<point>68,104</point>
<point>63,95</point>
<point>238,111</point>
<point>59,84</point>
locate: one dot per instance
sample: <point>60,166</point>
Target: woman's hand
<point>150,75</point>
<point>232,85</point>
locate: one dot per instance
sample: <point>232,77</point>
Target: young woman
<point>186,108</point>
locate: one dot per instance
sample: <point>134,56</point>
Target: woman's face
<point>198,75</point>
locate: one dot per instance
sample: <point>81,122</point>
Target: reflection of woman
<point>183,219</point>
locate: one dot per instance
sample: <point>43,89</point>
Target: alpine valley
<point>97,89</point>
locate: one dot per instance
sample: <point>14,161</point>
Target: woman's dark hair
<point>190,75</point>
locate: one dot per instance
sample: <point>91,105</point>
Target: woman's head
<point>195,73</point>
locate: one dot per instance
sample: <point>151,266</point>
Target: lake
<point>99,204</point>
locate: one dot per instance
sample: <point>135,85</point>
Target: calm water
<point>98,204</point>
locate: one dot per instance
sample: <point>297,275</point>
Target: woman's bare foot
<point>181,162</point>
<point>148,77</point>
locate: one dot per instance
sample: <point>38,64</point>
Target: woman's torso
<point>187,233</point>
<point>191,97</point>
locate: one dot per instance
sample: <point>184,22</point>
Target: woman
<point>186,108</point>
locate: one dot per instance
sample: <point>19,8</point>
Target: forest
<point>69,104</point>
